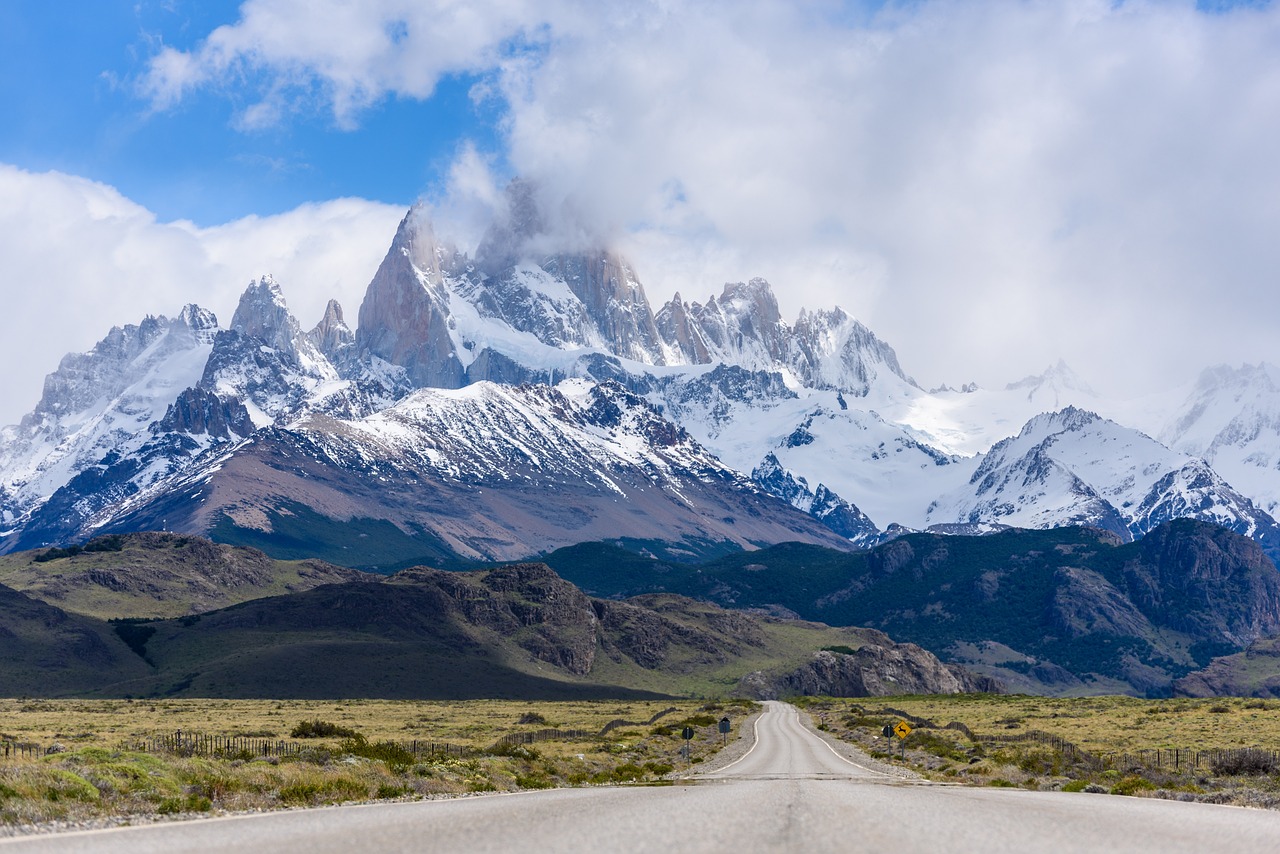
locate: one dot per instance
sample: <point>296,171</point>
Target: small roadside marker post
<point>725,726</point>
<point>687,735</point>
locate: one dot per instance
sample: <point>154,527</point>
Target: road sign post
<point>902,729</point>
<point>687,735</point>
<point>725,726</point>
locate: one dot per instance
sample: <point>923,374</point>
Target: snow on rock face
<point>331,336</point>
<point>823,350</point>
<point>1231,419</point>
<point>822,504</point>
<point>266,361</point>
<point>100,402</point>
<point>1073,467</point>
<point>578,429</point>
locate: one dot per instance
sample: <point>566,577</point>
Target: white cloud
<point>990,185</point>
<point>76,258</point>
<point>356,53</point>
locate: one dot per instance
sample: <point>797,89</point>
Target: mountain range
<point>516,631</point>
<point>500,405</point>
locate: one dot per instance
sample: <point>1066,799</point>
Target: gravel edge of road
<point>856,754</point>
<point>728,754</point>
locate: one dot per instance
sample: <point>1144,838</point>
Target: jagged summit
<point>1052,388</point>
<point>331,335</point>
<point>404,317</point>
<point>541,363</point>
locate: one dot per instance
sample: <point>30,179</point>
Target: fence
<point>198,744</point>
<point>568,734</point>
<point>20,749</point>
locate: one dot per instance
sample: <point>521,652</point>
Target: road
<point>790,792</point>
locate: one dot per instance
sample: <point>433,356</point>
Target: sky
<point>991,186</point>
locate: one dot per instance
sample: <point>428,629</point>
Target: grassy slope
<point>157,576</point>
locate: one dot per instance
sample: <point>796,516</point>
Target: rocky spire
<point>262,314</point>
<point>331,335</point>
<point>405,314</point>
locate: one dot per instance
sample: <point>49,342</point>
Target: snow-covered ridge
<point>530,363</point>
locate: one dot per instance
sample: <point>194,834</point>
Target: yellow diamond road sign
<point>902,729</point>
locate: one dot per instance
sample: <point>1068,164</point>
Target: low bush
<point>396,757</point>
<point>1132,785</point>
<point>322,729</point>
<point>1250,761</point>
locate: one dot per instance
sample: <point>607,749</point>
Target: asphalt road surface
<point>791,792</point>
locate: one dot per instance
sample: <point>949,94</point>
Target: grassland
<point>1219,750</point>
<point>1110,724</point>
<point>93,774</point>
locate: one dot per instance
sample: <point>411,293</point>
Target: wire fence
<point>181,743</point>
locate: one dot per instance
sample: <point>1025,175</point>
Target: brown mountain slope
<point>154,575</point>
<point>515,631</point>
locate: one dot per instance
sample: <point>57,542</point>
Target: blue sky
<point>68,83</point>
<point>991,185</point>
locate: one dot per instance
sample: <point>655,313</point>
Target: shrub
<point>532,718</point>
<point>396,757</point>
<point>534,781</point>
<point>322,729</point>
<point>1001,783</point>
<point>1075,786</point>
<point>517,751</point>
<point>1132,784</point>
<point>1249,761</point>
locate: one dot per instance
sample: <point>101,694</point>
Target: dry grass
<point>96,775</point>
<point>1114,729</point>
<point>1109,724</point>
<point>469,723</point>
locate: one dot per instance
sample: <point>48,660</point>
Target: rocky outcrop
<point>265,359</point>
<point>874,670</point>
<point>331,336</point>
<point>1255,672</point>
<point>823,349</point>
<point>404,318</point>
<point>201,412</point>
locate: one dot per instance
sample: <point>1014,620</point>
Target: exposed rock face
<point>1205,581</point>
<point>404,318</point>
<point>1255,672</point>
<point>332,336</point>
<point>823,350</point>
<point>545,615</point>
<point>265,359</point>
<point>198,411</point>
<point>154,574</point>
<point>875,670</point>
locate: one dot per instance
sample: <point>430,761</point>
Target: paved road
<point>791,792</point>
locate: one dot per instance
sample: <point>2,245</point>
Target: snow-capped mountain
<point>101,402</point>
<point>484,472</point>
<point>1231,419</point>
<point>538,387</point>
<point>1073,467</point>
